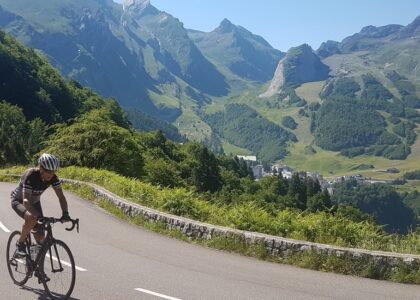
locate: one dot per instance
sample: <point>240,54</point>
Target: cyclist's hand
<point>65,217</point>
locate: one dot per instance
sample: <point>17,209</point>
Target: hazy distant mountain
<point>374,75</point>
<point>112,49</point>
<point>173,47</point>
<point>373,38</point>
<point>238,51</point>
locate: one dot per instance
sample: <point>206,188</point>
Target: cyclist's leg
<point>30,219</point>
<point>38,230</point>
<point>20,211</point>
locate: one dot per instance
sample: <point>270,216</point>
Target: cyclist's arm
<point>62,199</point>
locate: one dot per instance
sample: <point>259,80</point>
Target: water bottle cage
<point>34,250</point>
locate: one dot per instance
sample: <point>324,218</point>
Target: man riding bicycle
<point>26,198</point>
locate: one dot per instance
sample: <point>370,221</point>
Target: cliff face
<point>300,65</point>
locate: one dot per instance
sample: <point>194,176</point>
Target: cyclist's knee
<point>30,218</point>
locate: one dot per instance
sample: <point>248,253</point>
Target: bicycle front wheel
<point>58,271</point>
<point>18,267</point>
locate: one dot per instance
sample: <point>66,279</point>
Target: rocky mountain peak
<point>411,30</point>
<point>328,48</point>
<point>300,65</point>
<point>139,7</point>
<point>226,26</point>
<point>378,32</point>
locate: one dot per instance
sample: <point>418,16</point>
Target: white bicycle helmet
<point>49,162</point>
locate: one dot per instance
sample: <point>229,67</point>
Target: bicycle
<point>53,265</point>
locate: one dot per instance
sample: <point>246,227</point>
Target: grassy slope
<point>327,162</point>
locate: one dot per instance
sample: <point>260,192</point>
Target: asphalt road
<point>120,261</point>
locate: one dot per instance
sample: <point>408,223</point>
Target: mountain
<point>29,82</point>
<point>370,104</point>
<point>328,48</point>
<point>300,65</point>
<point>147,60</point>
<point>238,52</point>
<point>147,123</point>
<point>143,57</point>
<point>134,52</point>
<point>373,38</point>
<point>85,41</point>
<point>123,51</point>
<point>173,47</point>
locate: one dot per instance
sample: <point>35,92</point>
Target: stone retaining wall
<point>274,245</point>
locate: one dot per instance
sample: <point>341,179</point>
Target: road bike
<point>53,264</point>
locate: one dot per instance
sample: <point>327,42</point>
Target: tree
<point>162,172</point>
<point>297,191</point>
<point>283,185</point>
<point>312,186</point>
<point>13,130</point>
<point>37,136</point>
<point>379,200</point>
<point>319,202</point>
<point>201,169</point>
<point>95,141</point>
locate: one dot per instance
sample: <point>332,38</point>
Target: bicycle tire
<point>59,284</point>
<point>17,267</point>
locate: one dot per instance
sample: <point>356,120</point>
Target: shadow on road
<point>41,293</point>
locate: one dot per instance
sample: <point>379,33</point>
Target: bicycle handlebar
<point>74,223</point>
<point>51,220</point>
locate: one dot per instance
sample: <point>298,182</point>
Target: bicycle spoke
<point>58,270</point>
<point>17,267</point>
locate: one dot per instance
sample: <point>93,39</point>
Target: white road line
<point>67,263</point>
<point>4,227</point>
<point>156,294</point>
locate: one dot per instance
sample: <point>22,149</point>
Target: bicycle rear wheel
<point>18,267</point>
<point>58,270</point>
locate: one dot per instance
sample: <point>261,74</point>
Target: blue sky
<point>289,23</point>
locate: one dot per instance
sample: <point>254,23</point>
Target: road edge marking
<point>5,229</point>
<point>67,263</point>
<point>156,294</point>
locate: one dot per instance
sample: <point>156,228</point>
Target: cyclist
<point>26,198</point>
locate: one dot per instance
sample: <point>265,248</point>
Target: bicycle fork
<point>53,258</point>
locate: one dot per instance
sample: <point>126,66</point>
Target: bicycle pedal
<point>39,275</point>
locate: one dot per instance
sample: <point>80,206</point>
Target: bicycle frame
<point>46,245</point>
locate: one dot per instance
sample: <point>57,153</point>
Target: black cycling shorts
<point>20,209</point>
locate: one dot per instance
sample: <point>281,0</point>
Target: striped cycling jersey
<point>31,183</point>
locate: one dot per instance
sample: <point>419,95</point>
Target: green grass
<point>355,266</point>
<point>332,164</point>
<point>192,126</point>
<point>164,101</point>
<point>231,149</point>
<point>310,91</point>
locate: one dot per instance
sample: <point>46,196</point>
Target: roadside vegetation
<point>315,219</point>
